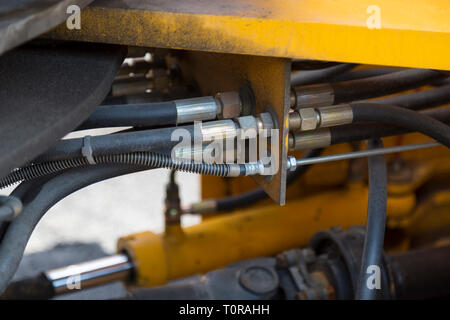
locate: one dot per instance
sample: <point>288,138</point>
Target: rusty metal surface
<point>269,81</point>
<point>409,35</point>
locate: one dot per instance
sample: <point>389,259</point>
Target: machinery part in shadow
<point>48,89</point>
<point>327,269</point>
<point>21,21</point>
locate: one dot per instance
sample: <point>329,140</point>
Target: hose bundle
<point>146,159</point>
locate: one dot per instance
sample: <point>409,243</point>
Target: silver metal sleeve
<point>90,273</point>
<point>302,140</point>
<point>220,129</point>
<point>234,170</point>
<point>313,96</point>
<point>196,109</point>
<point>335,115</point>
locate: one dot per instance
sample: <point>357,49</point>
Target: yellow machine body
<point>388,32</point>
<point>324,198</point>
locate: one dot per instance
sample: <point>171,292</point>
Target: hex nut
<point>230,104</point>
<point>265,121</point>
<point>309,119</point>
<point>247,122</point>
<point>292,163</point>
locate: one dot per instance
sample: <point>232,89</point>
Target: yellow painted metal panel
<point>411,34</point>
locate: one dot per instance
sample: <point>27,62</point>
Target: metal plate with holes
<point>269,80</point>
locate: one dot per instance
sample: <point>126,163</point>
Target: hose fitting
<point>312,96</point>
<point>305,119</point>
<point>309,140</point>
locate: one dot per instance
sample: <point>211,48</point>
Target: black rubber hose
<point>383,85</point>
<point>314,76</point>
<point>38,287</point>
<point>147,159</point>
<point>418,100</point>
<point>132,115</point>
<point>364,73</point>
<point>10,207</point>
<point>39,196</point>
<point>368,130</point>
<point>251,197</point>
<point>401,117</point>
<point>421,274</point>
<point>155,140</point>
<point>375,226</point>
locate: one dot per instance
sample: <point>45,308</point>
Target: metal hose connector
<point>147,159</point>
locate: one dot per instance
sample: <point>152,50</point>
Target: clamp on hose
<point>86,150</point>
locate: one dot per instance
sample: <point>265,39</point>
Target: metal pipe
<point>364,153</point>
<point>90,273</point>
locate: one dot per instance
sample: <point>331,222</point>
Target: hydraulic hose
<point>376,220</point>
<point>10,207</point>
<point>362,131</point>
<point>401,117</point>
<point>251,197</point>
<point>314,76</point>
<point>364,73</point>
<point>418,100</point>
<point>146,159</point>
<point>327,94</point>
<point>132,115</point>
<point>155,140</point>
<point>383,85</point>
<point>39,196</point>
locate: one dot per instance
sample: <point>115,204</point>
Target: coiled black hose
<point>376,220</point>
<point>146,159</point>
<point>401,117</point>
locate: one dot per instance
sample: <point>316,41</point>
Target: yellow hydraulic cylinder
<point>258,232</point>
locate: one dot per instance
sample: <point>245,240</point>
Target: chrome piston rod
<point>90,273</point>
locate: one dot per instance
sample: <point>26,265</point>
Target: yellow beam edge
<point>266,37</point>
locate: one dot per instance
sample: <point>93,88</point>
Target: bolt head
<point>265,120</point>
<point>230,104</point>
<point>248,122</point>
<point>308,118</point>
